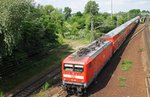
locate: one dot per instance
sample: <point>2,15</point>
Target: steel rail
<point>36,85</point>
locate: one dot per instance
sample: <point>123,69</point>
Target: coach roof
<point>120,28</point>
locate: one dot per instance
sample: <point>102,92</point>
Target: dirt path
<point>134,78</point>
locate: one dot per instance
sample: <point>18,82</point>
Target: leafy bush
<point>46,86</point>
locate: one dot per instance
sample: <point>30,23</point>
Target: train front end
<point>73,76</point>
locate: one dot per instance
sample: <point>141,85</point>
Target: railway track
<point>36,85</point>
<point>61,93</point>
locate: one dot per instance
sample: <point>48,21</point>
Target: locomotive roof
<point>86,54</point>
<point>120,28</point>
<point>98,49</point>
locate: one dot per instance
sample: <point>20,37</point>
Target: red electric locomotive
<point>80,68</point>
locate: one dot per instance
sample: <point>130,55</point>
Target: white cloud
<point>118,5</point>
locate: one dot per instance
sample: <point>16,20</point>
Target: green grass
<point>50,83</point>
<point>1,94</point>
<point>141,50</point>
<point>126,65</point>
<point>45,86</point>
<point>122,81</point>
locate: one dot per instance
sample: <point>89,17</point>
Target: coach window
<point>78,68</point>
<point>68,67</point>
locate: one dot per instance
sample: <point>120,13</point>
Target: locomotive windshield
<point>71,67</point>
<point>78,68</point>
<point>68,67</point>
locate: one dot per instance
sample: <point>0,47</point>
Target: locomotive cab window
<point>68,67</point>
<point>78,68</point>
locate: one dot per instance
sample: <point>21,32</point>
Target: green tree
<point>47,9</point>
<point>133,13</point>
<point>99,24</point>
<point>120,20</point>
<point>105,14</point>
<point>78,14</point>
<point>67,12</point>
<point>41,28</point>
<point>11,17</point>
<point>91,7</point>
<point>145,12</point>
<point>124,16</point>
<point>109,24</point>
<point>27,30</point>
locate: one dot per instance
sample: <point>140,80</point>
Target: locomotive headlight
<point>85,85</point>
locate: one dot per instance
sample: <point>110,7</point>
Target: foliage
<point>60,39</point>
<point>120,20</point>
<point>92,8</point>
<point>11,17</point>
<point>109,24</point>
<point>124,15</point>
<point>145,13</point>
<point>45,86</point>
<point>33,29</point>
<point>1,94</point>
<point>122,81</point>
<point>67,12</point>
<point>79,14</point>
<point>26,31</point>
<point>126,65</point>
<point>134,12</point>
<point>80,23</point>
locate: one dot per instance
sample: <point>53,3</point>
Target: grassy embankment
<point>43,63</point>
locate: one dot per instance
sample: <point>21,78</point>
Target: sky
<point>104,5</point>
